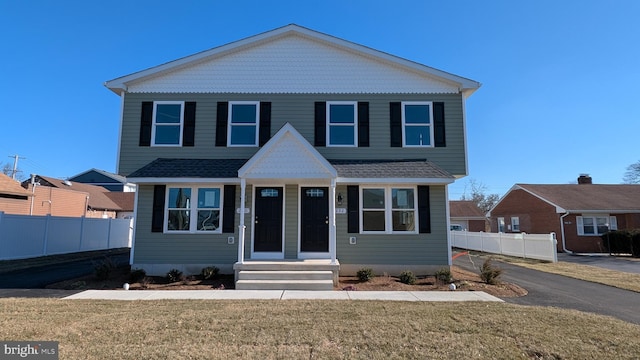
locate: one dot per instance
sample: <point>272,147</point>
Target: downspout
<point>564,244</point>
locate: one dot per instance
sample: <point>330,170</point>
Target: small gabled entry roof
<point>287,155</point>
<point>292,59</point>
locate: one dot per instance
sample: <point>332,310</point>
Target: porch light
<point>339,198</point>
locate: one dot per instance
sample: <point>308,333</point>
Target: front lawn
<point>314,330</point>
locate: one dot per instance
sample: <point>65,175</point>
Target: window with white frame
<point>181,207</point>
<point>168,119</point>
<point>388,210</point>
<point>342,123</point>
<point>244,119</point>
<point>596,224</point>
<point>515,224</point>
<point>500,224</point>
<point>417,124</point>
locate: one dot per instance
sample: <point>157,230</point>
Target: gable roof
<point>9,186</point>
<point>464,209</point>
<point>586,198</point>
<point>99,198</point>
<point>115,177</point>
<point>293,59</point>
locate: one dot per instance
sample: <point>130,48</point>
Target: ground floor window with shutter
<point>192,209</point>
<point>596,224</point>
<point>387,209</point>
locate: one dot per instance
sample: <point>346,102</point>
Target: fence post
<point>46,234</point>
<point>109,233</point>
<point>524,246</point>
<point>500,242</point>
<point>554,247</point>
<point>81,232</point>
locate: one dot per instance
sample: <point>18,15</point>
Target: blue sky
<point>560,78</point>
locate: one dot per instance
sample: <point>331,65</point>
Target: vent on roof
<point>67,182</point>
<point>584,179</point>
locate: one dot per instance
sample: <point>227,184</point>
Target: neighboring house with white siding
<point>291,148</point>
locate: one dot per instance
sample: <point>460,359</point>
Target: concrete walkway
<point>446,296</point>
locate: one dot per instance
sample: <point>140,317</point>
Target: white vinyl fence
<point>23,236</point>
<point>532,246</point>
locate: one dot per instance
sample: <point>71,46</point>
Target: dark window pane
<point>179,198</point>
<point>243,135</point>
<point>402,198</point>
<point>168,113</point>
<point>208,220</point>
<point>208,198</point>
<point>416,114</point>
<point>341,135</point>
<point>373,198</point>
<point>404,221</point>
<point>341,114</point>
<point>373,221</point>
<point>167,135</point>
<point>417,135</point>
<point>178,220</point>
<point>243,114</point>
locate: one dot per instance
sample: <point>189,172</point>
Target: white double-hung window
<point>193,209</point>
<point>388,209</point>
<point>342,123</point>
<point>244,122</point>
<point>417,124</point>
<point>168,120</point>
<point>595,224</point>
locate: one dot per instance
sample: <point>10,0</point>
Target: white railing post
<point>332,222</point>
<point>241,227</point>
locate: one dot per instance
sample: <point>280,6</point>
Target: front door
<point>267,221</point>
<point>314,214</point>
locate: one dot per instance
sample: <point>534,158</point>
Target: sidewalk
<point>447,296</point>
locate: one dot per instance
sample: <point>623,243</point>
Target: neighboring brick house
<point>468,215</point>
<point>109,181</point>
<point>577,213</point>
<point>291,146</point>
<point>58,197</point>
<point>14,199</point>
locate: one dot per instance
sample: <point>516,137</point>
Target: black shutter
<point>353,209</point>
<point>395,121</point>
<point>321,124</point>
<point>229,209</point>
<point>157,217</point>
<point>189,130</point>
<point>265,122</point>
<point>221,123</point>
<point>438,122</point>
<point>363,124</point>
<point>424,210</point>
<point>146,122</point>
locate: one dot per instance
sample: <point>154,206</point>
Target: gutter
<point>564,245</point>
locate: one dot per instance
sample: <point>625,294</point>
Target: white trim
<point>193,209</point>
<point>122,95</point>
<point>262,255</point>
<point>169,180</point>
<point>388,209</point>
<point>447,207</point>
<point>515,223</point>
<point>154,123</point>
<point>328,125</point>
<point>135,226</point>
<point>500,220</point>
<point>313,255</point>
<point>256,124</point>
<point>413,181</point>
<point>430,124</point>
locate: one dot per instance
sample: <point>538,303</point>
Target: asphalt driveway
<point>618,263</point>
<point>547,289</point>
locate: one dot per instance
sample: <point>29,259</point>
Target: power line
<point>15,165</point>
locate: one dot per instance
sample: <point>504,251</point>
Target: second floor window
<point>342,123</point>
<point>243,123</point>
<point>417,128</point>
<point>168,119</point>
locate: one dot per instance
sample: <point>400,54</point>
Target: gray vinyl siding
<point>159,248</point>
<point>297,109</point>
<point>396,249</point>
<point>291,222</point>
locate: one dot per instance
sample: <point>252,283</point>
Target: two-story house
<point>292,150</point>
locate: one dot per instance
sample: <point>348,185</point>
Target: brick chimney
<point>584,179</point>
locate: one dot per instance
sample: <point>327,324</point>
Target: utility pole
<point>15,165</point>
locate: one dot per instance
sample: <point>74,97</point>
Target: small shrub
<point>444,276</point>
<point>365,274</point>
<point>174,275</point>
<point>489,273</point>
<point>136,275</point>
<point>407,277</point>
<point>103,269</point>
<point>145,282</point>
<point>210,272</point>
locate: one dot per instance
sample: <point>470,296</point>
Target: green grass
<point>315,330</point>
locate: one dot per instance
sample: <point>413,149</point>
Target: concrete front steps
<point>286,275</point>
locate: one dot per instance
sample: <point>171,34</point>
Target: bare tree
<point>632,175</point>
<point>477,192</point>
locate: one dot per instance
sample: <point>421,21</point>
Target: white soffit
<point>288,155</point>
<point>292,60</point>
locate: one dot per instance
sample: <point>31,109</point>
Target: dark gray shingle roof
<point>191,168</point>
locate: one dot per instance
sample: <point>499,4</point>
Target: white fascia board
<point>342,180</point>
<point>559,209</point>
<point>172,180</point>
<point>465,86</point>
<point>603,211</point>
